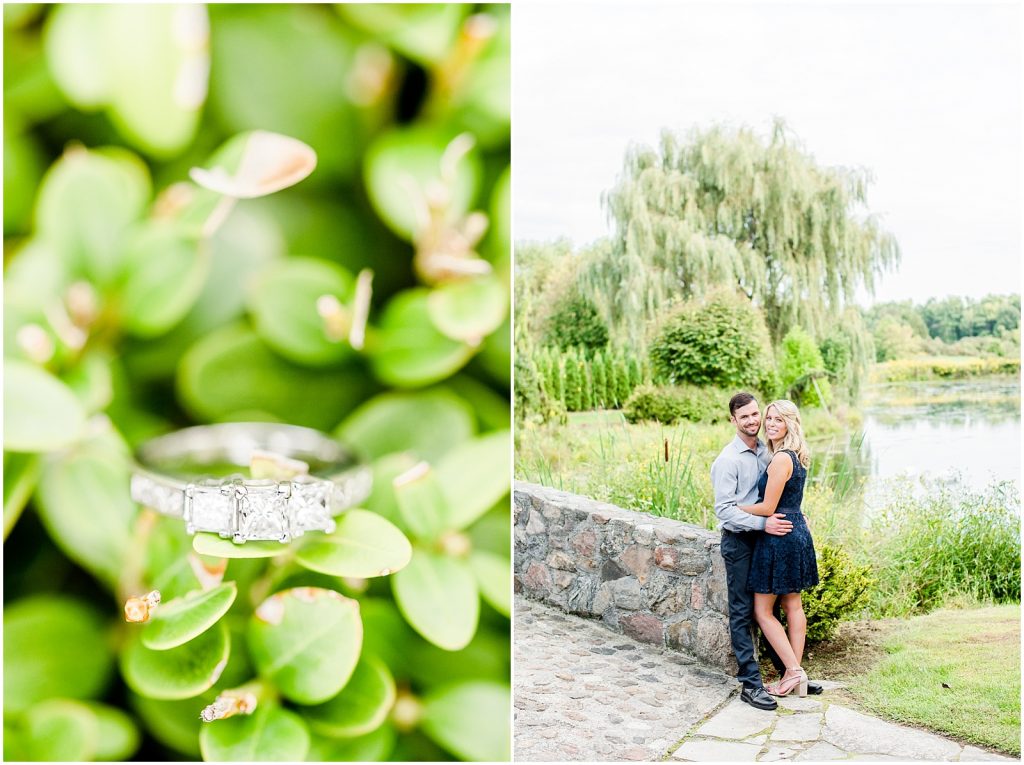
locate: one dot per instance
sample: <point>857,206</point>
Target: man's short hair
<point>739,401</point>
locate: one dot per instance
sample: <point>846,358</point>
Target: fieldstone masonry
<point>657,580</point>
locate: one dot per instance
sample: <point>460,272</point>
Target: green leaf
<point>166,560</point>
<point>118,735</point>
<point>421,502</point>
<point>499,240</point>
<point>386,635</point>
<point>284,305</point>
<point>178,673</point>
<point>231,371</point>
<point>362,705</point>
<point>84,502</point>
<point>493,575</point>
<point>307,640</point>
<point>493,532</point>
<point>409,352</point>
<point>211,544</point>
<point>60,730</point>
<point>401,163</point>
<point>438,596</point>
<point>382,496</point>
<point>21,472</point>
<point>87,201</point>
<point>178,621</point>
<point>373,747</point>
<point>165,274</point>
<point>470,720</point>
<point>270,734</point>
<point>40,412</point>
<point>37,662</point>
<point>474,475</point>
<point>490,407</point>
<point>424,33</point>
<point>91,381</point>
<point>470,309</point>
<point>426,423</point>
<point>73,38</point>
<point>363,545</point>
<point>485,658</point>
<point>175,724</point>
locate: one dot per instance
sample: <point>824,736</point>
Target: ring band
<point>243,509</point>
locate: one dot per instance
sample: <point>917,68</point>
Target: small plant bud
<point>337,318</point>
<point>371,74</point>
<point>137,610</point>
<point>407,711</point>
<point>82,304</point>
<point>361,308</point>
<point>455,544</point>
<point>229,704</point>
<point>36,342</point>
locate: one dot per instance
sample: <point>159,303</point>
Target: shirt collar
<point>741,447</point>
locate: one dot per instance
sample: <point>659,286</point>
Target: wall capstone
<point>657,580</point>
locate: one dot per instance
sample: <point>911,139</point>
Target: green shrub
<point>586,385</point>
<point>600,380</point>
<point>573,396</point>
<point>577,324</point>
<point>843,591</point>
<point>905,370</point>
<point>721,341</point>
<point>669,403</point>
<point>801,368</point>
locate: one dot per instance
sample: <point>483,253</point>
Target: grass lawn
<point>897,669</point>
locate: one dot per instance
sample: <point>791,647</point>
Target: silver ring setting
<point>247,509</point>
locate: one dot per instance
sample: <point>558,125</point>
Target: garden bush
<point>384,131</point>
<point>719,341</point>
<point>802,369</point>
<point>670,403</point>
<point>577,324</point>
<point>843,592</point>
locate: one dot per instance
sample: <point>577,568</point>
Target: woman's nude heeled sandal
<point>786,686</point>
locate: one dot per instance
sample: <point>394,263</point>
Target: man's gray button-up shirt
<point>734,476</point>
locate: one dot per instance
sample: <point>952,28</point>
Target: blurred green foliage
<point>153,279</point>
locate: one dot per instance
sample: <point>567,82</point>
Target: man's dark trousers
<point>737,550</point>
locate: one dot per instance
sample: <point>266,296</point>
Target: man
<point>734,476</point>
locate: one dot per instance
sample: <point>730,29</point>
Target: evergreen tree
<point>599,375</point>
<point>573,384</point>
<point>576,323</point>
<point>587,384</point>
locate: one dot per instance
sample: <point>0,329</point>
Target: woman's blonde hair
<point>794,439</point>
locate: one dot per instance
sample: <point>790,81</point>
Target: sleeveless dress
<point>785,564</point>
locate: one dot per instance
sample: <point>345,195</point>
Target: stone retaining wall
<point>655,579</point>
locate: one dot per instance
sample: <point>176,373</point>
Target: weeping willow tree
<point>722,207</point>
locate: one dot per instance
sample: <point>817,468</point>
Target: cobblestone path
<point>583,692</point>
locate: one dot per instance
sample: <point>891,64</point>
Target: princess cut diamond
<point>212,509</point>
<point>262,514</point>
<point>309,508</point>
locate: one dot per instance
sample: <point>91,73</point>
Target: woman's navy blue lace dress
<point>787,563</point>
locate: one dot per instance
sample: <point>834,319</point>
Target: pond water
<point>924,432</point>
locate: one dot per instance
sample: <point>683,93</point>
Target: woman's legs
<point>773,630</point>
<point>796,623</point>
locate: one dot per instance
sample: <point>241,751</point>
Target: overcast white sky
<point>926,96</point>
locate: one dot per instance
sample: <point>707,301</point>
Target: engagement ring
<point>189,474</point>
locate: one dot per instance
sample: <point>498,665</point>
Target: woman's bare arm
<point>779,471</point>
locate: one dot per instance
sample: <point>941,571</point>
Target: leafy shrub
<point>721,341</point>
<point>131,311</point>
<point>600,381</point>
<point>577,324</point>
<point>905,370</point>
<point>801,369</point>
<point>842,592</point>
<point>952,543</point>
<point>669,403</point>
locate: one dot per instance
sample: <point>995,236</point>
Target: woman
<point>782,566</point>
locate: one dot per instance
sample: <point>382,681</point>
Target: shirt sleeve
<point>725,481</point>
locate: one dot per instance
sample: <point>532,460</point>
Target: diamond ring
<point>182,474</point>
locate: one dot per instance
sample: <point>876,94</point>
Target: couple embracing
<point>766,545</point>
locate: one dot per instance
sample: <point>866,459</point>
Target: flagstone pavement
<point>585,693</point>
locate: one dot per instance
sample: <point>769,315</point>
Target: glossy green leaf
<point>60,730</point>
<point>409,351</point>
<point>362,705</point>
<point>495,355</point>
<point>34,276</point>
<point>470,309</point>
<point>232,371</point>
<point>37,664</point>
<point>382,495</point>
<point>118,735</point>
<point>485,658</point>
<point>40,412</point>
<point>475,475</point>
<point>494,576</point>
<point>175,724</point>
<point>499,239</point>
<point>491,408</point>
<point>178,673</point>
<point>438,596</point>
<point>74,41</point>
<point>91,382</point>
<point>481,102</point>
<point>363,545</point>
<point>21,472</point>
<point>471,720</point>
<point>426,423</point>
<point>402,163</point>
<point>165,274</point>
<point>387,635</point>
<point>167,557</point>
<point>179,620</point>
<point>423,32</point>
<point>270,734</point>
<point>373,747</point>
<point>493,532</point>
<point>421,502</point>
<point>87,201</point>
<point>84,502</point>
<point>307,641</point>
<point>211,544</point>
<point>284,305</point>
